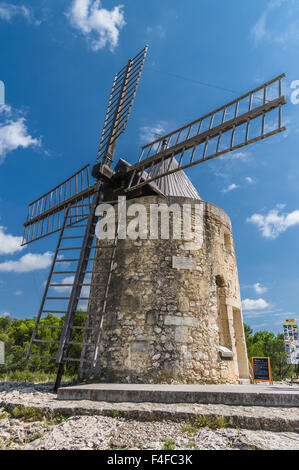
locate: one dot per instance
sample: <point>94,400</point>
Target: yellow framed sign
<point>290,321</point>
<point>261,370</point>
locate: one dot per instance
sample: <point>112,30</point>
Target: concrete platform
<point>242,395</point>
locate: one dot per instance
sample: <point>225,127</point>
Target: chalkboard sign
<point>261,369</point>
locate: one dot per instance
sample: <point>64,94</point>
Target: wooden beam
<point>209,134</point>
<point>189,165</point>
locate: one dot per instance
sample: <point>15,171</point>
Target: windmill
<point>69,208</point>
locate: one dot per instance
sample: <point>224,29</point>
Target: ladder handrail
<point>47,287</point>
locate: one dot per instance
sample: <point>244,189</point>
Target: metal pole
<point>59,377</point>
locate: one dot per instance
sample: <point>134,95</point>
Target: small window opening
<point>227,241</point>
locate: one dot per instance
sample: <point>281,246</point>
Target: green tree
<point>16,335</point>
<point>266,344</point>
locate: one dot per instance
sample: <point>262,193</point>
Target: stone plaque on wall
<point>180,262</point>
<point>2,353</point>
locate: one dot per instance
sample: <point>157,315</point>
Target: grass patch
<point>27,376</point>
<point>30,414</point>
<point>114,414</point>
<point>169,445</point>
<point>35,437</point>
<point>34,377</point>
<point>27,414</point>
<point>60,418</point>
<point>190,429</point>
<point>215,422</point>
<point>4,415</point>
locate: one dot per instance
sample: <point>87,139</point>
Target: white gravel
<point>100,432</point>
<point>89,430</point>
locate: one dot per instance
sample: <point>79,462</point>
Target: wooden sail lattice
<point>231,127</point>
<point>46,214</point>
<point>120,104</point>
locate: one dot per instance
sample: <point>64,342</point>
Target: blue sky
<point>58,60</point>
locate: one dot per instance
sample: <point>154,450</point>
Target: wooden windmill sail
<point>69,208</point>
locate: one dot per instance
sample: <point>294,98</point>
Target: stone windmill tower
<point>174,310</point>
<point>156,266</point>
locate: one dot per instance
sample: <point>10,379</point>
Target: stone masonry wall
<point>170,308</point>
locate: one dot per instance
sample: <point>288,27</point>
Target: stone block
<point>139,347</point>
<point>225,352</point>
<point>151,317</point>
<point>181,334</point>
<point>171,320</point>
<point>183,304</point>
<point>179,262</point>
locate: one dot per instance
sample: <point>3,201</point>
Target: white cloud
<point>259,289</point>
<point>100,26</point>
<point>9,244</point>
<point>261,33</point>
<point>259,304</point>
<point>27,263</point>
<point>249,179</point>
<point>238,155</point>
<point>5,314</point>
<point>235,156</point>
<point>258,31</point>
<point>151,133</point>
<point>19,292</point>
<point>230,188</point>
<point>13,132</point>
<point>70,280</point>
<point>8,11</point>
<point>274,223</point>
<point>156,31</point>
<point>259,314</point>
<point>66,280</point>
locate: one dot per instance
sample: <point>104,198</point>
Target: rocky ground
<point>32,419</point>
